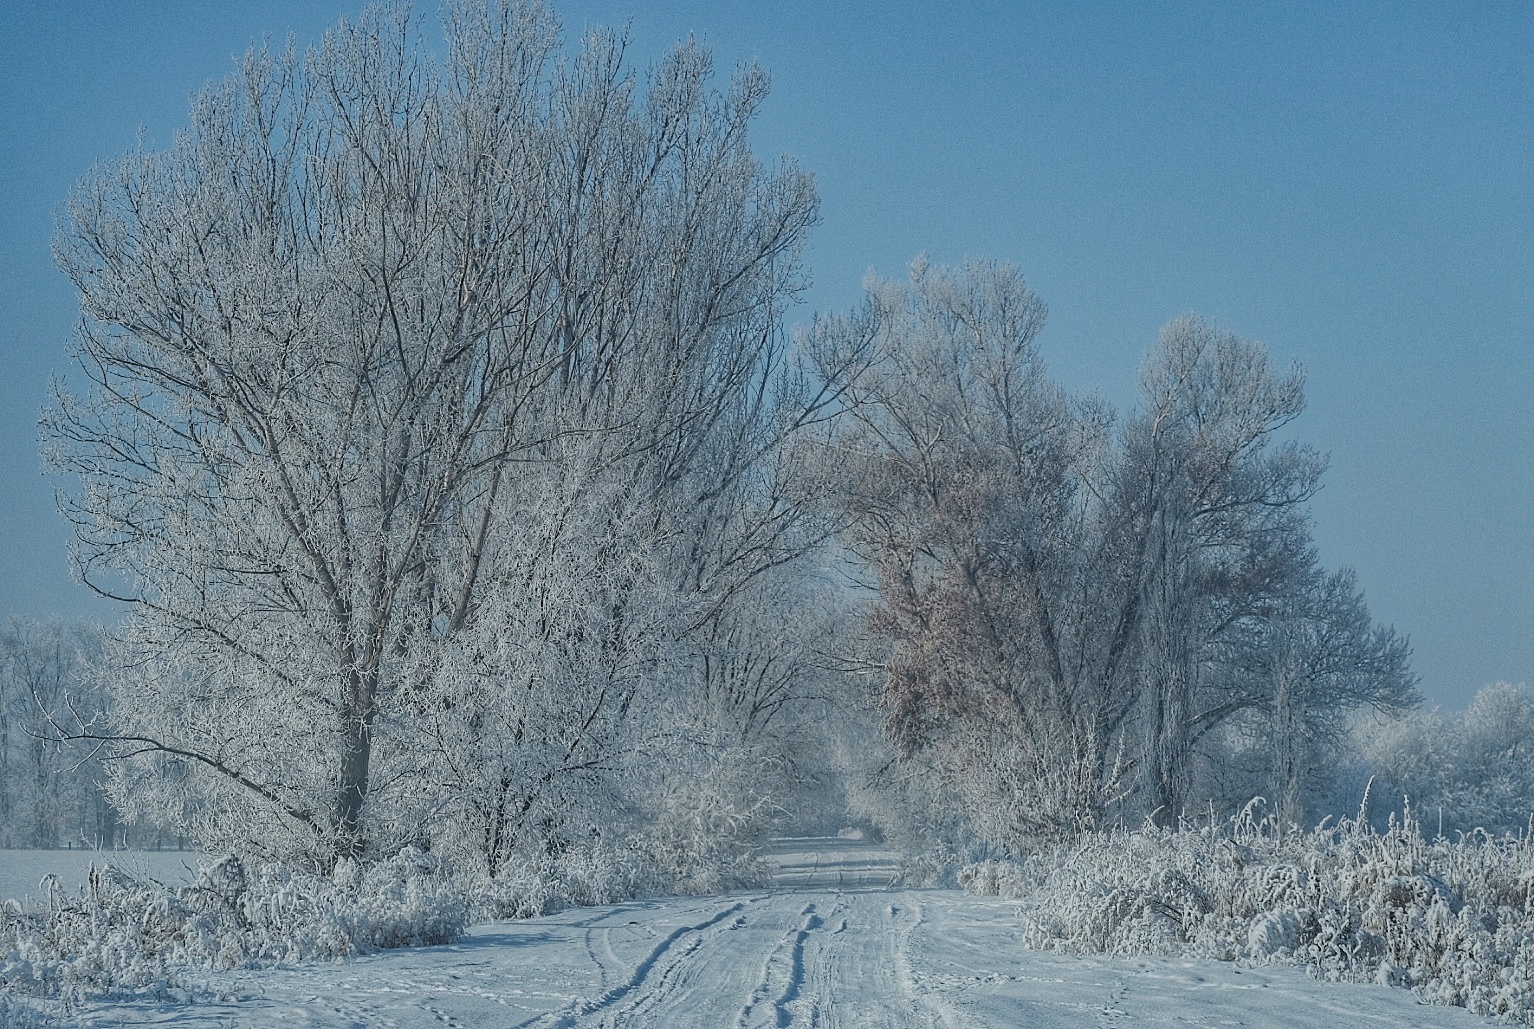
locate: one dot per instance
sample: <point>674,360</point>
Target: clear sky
<point>1352,184</point>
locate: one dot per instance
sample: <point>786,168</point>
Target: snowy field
<point>831,946</point>
<point>22,871</point>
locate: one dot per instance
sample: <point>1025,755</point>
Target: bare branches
<point>1071,599</point>
<point>344,338</point>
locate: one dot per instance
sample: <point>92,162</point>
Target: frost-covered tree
<point>1209,511</point>
<point>50,791</point>
<point>1072,602</point>
<point>400,375</point>
<point>1240,623</point>
<point>1301,675</point>
<point>1464,771</point>
<point>968,492</point>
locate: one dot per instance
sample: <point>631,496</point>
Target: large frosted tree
<point>1071,602</point>
<point>372,327</point>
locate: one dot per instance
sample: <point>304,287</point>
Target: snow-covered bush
<point>644,864</point>
<point>16,1014</point>
<point>531,886</point>
<point>994,878</point>
<point>124,936</point>
<point>1452,920</point>
<point>706,846</point>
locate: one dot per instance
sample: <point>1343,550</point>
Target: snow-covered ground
<point>22,871</point>
<point>832,946</point>
<point>834,862</point>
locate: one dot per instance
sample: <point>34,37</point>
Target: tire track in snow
<point>850,966</point>
<point>782,974</point>
<point>662,951</point>
<point>796,967</point>
<point>923,1001</point>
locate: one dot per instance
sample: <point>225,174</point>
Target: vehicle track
<point>803,955</point>
<point>771,961</point>
<point>653,978</point>
<point>865,952</point>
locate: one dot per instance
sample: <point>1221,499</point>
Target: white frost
<point>822,955</point>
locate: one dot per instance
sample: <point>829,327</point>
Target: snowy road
<point>810,955</point>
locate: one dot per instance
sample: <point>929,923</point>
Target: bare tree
<point>1064,596</point>
<point>50,792</point>
<point>969,476</point>
<point>1213,509</point>
<point>342,338</point>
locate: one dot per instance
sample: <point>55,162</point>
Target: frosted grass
<point>22,871</point>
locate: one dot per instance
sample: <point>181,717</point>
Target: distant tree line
<point>1464,772</point>
<point>50,793</point>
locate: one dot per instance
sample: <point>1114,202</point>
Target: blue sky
<point>1352,184</point>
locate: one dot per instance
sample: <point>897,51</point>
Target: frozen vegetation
<point>25,874</point>
<point>492,549</point>
<point>840,946</point>
<point>1453,921</point>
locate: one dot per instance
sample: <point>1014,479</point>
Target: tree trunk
<point>356,762</point>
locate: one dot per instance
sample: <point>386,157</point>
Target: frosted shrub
<point>15,1014</point>
<point>1451,920</point>
<point>994,879</point>
<point>533,885</point>
<point>1463,771</point>
<point>123,936</point>
<point>406,901</point>
<point>706,830</point>
<point>647,864</point>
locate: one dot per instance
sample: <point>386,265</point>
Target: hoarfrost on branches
<point>432,412</point>
<point>1078,610</point>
